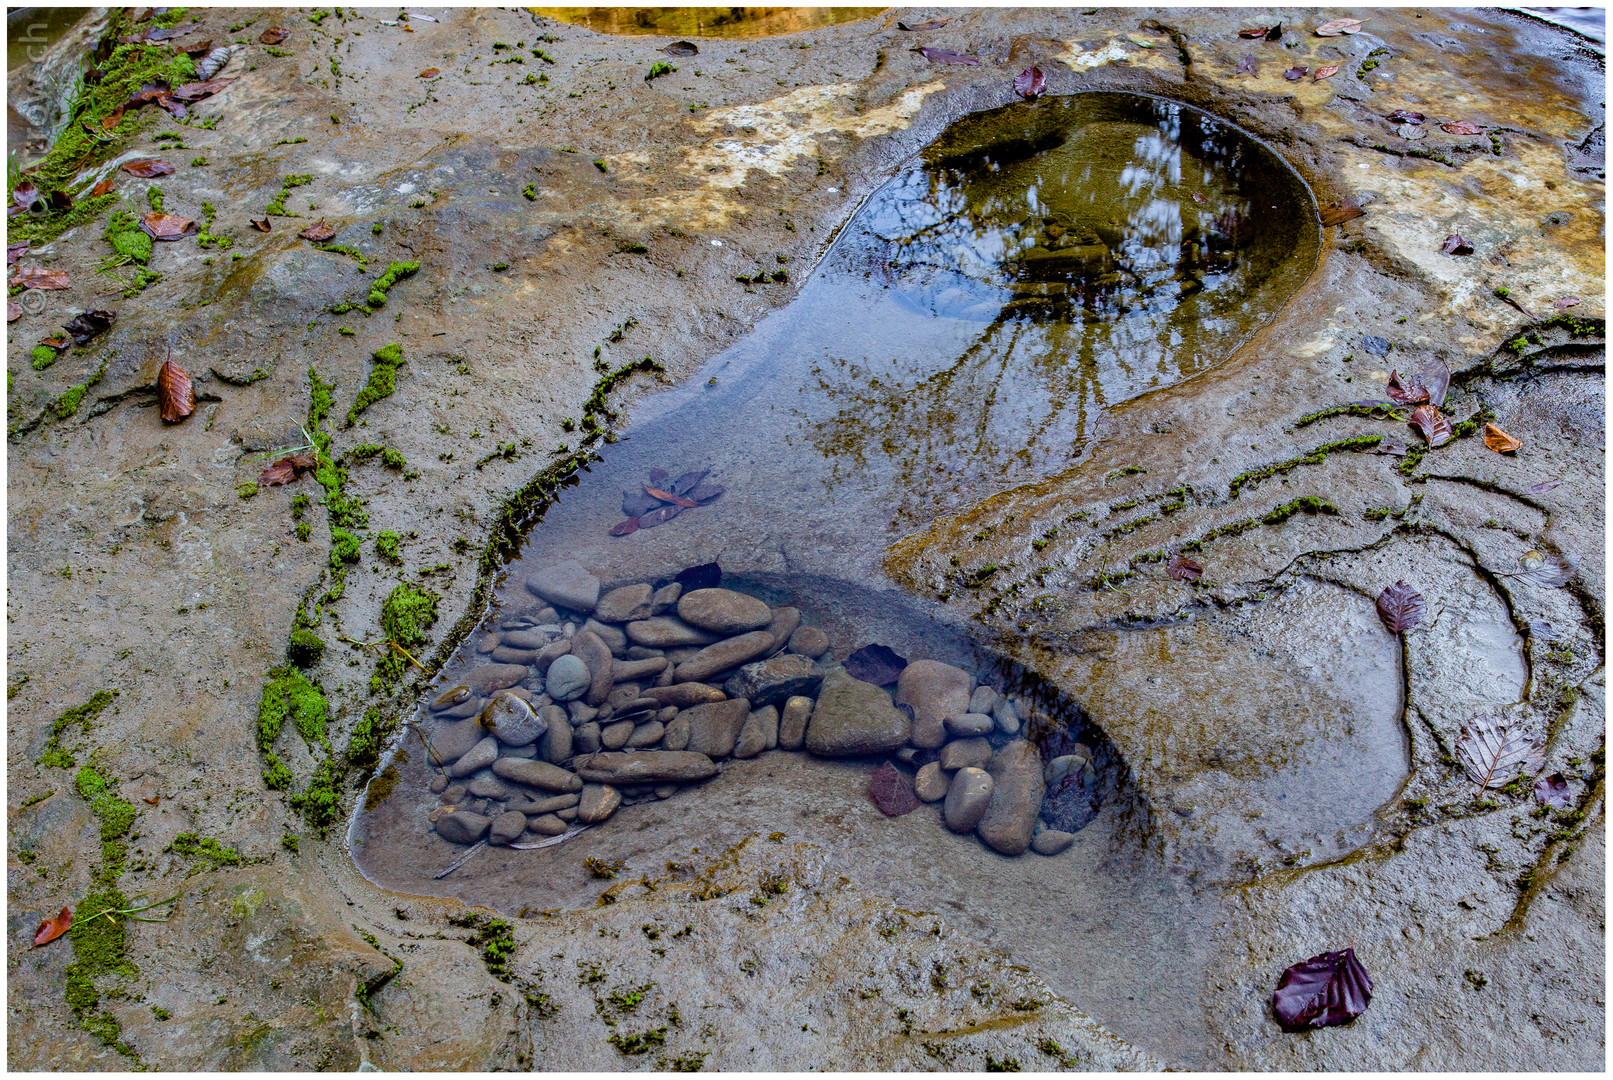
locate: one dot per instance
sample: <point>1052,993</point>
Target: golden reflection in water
<point>722,22</point>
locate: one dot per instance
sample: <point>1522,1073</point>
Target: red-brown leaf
<point>1461,127</point>
<point>623,528</point>
<point>51,929</point>
<point>1340,212</point>
<point>25,194</point>
<point>1332,988</point>
<point>944,56</point>
<point>1500,441</point>
<point>1326,71</point>
<point>1552,791</point>
<point>160,226</point>
<point>13,312</point>
<point>16,251</point>
<point>87,326</point>
<point>1433,424</point>
<point>147,168</point>
<point>56,341</point>
<point>429,73</point>
<point>102,188</point>
<point>274,35</point>
<point>112,119</point>
<point>1405,116</point>
<point>658,517</point>
<point>319,232</point>
<point>1030,84</point>
<point>1270,33</point>
<point>1405,393</point>
<point>195,91</point>
<point>287,469</point>
<point>1181,568</point>
<point>667,496</point>
<point>39,277</point>
<point>891,792</point>
<point>260,224</point>
<point>176,398</point>
<point>1401,607</point>
<point>1456,245</point>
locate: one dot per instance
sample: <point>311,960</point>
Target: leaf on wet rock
<point>877,664</point>
<point>429,73</point>
<point>625,527</point>
<point>1461,127</point>
<point>944,56</point>
<point>1269,33</point>
<point>933,24</point>
<point>682,48</point>
<point>1401,607</point>
<point>1434,425</point>
<point>16,251</point>
<point>1326,71</point>
<point>158,33</point>
<point>147,167</point>
<point>1500,441</point>
<point>40,277</point>
<point>195,91</point>
<point>262,225</point>
<point>1494,755</point>
<point>25,194</point>
<point>1436,379</point>
<point>1328,989</point>
<point>56,341</point>
<point>176,398</point>
<point>1295,73</point>
<point>1552,791</point>
<point>1411,133</point>
<point>1456,245</point>
<point>13,312</point>
<point>1181,568</point>
<point>705,576</point>
<point>1548,571</point>
<point>1335,27</point>
<point>1564,302</point>
<point>1340,212</point>
<point>1030,84</point>
<point>1404,393</point>
<point>89,325</point>
<point>160,226</point>
<point>319,232</point>
<point>891,792</point>
<point>1405,116</point>
<point>287,469</point>
<point>668,497</point>
<point>274,35</point>
<point>1248,65</point>
<point>1542,487</point>
<point>51,929</point>
<point>102,188</point>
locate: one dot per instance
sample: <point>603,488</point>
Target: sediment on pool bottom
<point>588,700</point>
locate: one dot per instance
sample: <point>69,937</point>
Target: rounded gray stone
<point>512,720</point>
<point>506,828</point>
<point>599,801</point>
<point>853,718</point>
<point>480,756</point>
<point>646,735</point>
<point>970,724</point>
<point>625,604</point>
<point>546,825</point>
<point>615,736</point>
<point>968,798</point>
<point>931,783</point>
<point>568,678</point>
<point>567,584</point>
<point>935,691</point>
<point>462,827</point>
<point>723,611</point>
<point>1052,841</point>
<point>809,641</point>
<point>792,723</point>
<point>557,743</point>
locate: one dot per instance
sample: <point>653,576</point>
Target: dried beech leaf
<point>658,517</point>
<point>13,311</point>
<point>1340,212</point>
<point>1433,424</point>
<point>87,326</point>
<point>1335,27</point>
<point>160,226</point>
<point>1248,65</point>
<point>102,188</point>
<point>1332,988</point>
<point>687,482</point>
<point>704,493</point>
<point>891,792</point>
<point>1403,393</point>
<point>877,664</point>
<point>195,91</point>
<point>1401,607</point>
<point>1295,73</point>
<point>1494,755</point>
<point>287,469</point>
<point>16,251</point>
<point>429,73</point>
<point>319,232</point>
<point>1552,791</point>
<point>146,168</point>
<point>1547,571</point>
<point>1461,127</point>
<point>1257,32</point>
<point>933,24</point>
<point>1326,71</point>
<point>667,496</point>
<point>1436,379</point>
<point>1181,568</point>
<point>274,35</point>
<point>51,929</point>
<point>176,398</point>
<point>705,576</point>
<point>262,225</point>
<point>1411,132</point>
<point>944,56</point>
<point>39,277</point>
<point>1456,245</point>
<point>623,528</point>
<point>1500,441</point>
<point>1030,84</point>
<point>56,341</point>
<point>112,119</point>
<point>1405,116</point>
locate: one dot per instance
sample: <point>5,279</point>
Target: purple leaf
<point>683,484</point>
<point>944,56</point>
<point>1493,755</point>
<point>658,517</point>
<point>877,664</point>
<point>891,792</point>
<point>1456,245</point>
<point>1552,791</point>
<point>1404,116</point>
<point>1295,73</point>
<point>1249,65</point>
<point>1332,988</point>
<point>659,476</point>
<point>704,493</point>
<point>1401,607</point>
<point>1030,84</point>
<point>1543,486</point>
<point>1436,378</point>
<point>705,576</point>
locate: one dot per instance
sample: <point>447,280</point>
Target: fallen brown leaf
<point>145,168</point>
<point>154,800</point>
<point>429,73</point>
<point>13,312</point>
<point>1335,27</point>
<point>319,232</point>
<point>51,929</point>
<point>1181,568</point>
<point>274,35</point>
<point>39,277</point>
<point>260,224</point>
<point>195,91</point>
<point>87,326</point>
<point>1326,71</point>
<point>1340,212</point>
<point>112,119</point>
<point>1433,424</point>
<point>624,527</point>
<point>102,188</point>
<point>682,48</point>
<point>667,496</point>
<point>1248,66</point>
<point>287,469</point>
<point>1266,32</point>
<point>1404,393</point>
<point>944,56</point>
<point>933,24</point>
<point>1401,607</point>
<point>1542,487</point>
<point>176,398</point>
<point>1456,245</point>
<point>16,251</point>
<point>1500,441</point>
<point>1461,127</point>
<point>160,226</point>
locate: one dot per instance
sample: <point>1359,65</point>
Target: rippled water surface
<point>1038,263</point>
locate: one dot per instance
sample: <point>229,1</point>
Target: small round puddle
<point>713,22</point>
<point>1035,264</point>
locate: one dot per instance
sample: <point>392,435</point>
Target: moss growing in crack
<point>395,272</point>
<point>288,695</point>
<point>320,801</point>
<point>116,813</point>
<point>344,511</point>
<point>204,852</point>
<point>1384,411</point>
<point>1308,504</point>
<point>277,206</point>
<point>364,748</point>
<point>344,548</point>
<point>97,933</point>
<point>1313,457</point>
<point>383,380</point>
<point>68,403</point>
<point>405,615</point>
<point>84,714</point>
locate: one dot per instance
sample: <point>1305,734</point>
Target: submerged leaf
<point>1500,441</point>
<point>687,482</point>
<point>87,326</point>
<point>1461,127</point>
<point>319,232</point>
<point>658,517</point>
<point>1030,84</point>
<point>1456,245</point>
<point>1181,568</point>
<point>51,929</point>
<point>1401,607</point>
<point>624,527</point>
<point>1335,27</point>
<point>1433,424</point>
<point>145,168</point>
<point>1328,989</point>
<point>705,576</point>
<point>1494,755</point>
<point>891,792</point>
<point>667,496</point>
<point>877,664</point>
<point>704,493</point>
<point>944,56</point>
<point>1340,212</point>
<point>1552,791</point>
<point>176,398</point>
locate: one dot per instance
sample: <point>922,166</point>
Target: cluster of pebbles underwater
<point>602,699</point>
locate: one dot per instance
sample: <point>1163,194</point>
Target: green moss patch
<point>395,272</point>
<point>289,695</point>
<point>306,647</point>
<point>277,205</point>
<point>84,714</point>
<point>204,852</point>
<point>405,615</point>
<point>383,380</point>
<point>1314,457</point>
